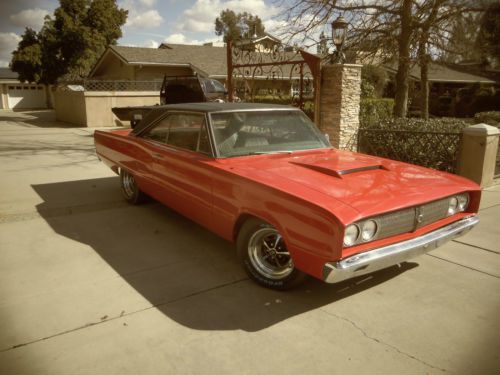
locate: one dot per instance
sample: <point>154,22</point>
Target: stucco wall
<point>150,73</point>
<point>93,109</point>
<point>70,107</point>
<point>3,96</point>
<point>114,69</point>
<point>99,104</point>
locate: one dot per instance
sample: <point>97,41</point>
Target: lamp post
<point>339,33</point>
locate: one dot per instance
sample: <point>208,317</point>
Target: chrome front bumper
<point>387,256</point>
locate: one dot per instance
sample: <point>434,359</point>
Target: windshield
<point>262,132</point>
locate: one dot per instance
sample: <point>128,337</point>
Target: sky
<point>149,23</point>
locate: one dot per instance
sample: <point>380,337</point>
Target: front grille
<point>409,219</point>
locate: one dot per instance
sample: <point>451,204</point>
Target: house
<point>127,64</point>
<point>151,64</point>
<point>451,91</point>
<point>443,78</point>
<point>18,95</point>
<point>132,76</point>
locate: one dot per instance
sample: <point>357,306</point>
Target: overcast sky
<point>149,22</point>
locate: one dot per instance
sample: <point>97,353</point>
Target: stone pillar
<point>478,153</point>
<point>340,93</point>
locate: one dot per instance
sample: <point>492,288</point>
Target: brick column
<point>340,93</point>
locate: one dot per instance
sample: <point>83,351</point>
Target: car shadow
<point>185,271</point>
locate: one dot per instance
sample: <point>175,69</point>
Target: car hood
<point>368,184</point>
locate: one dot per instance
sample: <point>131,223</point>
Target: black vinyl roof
<point>204,107</point>
<point>220,107</point>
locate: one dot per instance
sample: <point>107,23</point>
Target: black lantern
<point>339,33</point>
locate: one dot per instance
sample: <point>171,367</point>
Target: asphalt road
<point>91,285</point>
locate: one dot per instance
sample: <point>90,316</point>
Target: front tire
<point>130,190</point>
<point>265,258</point>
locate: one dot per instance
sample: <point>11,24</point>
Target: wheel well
<point>239,223</point>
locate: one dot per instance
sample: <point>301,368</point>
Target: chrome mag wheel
<point>129,185</point>
<point>268,254</point>
<point>130,189</point>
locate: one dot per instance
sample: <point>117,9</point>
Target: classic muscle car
<point>265,178</point>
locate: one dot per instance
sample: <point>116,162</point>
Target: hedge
<point>490,118</point>
<point>372,111</point>
<point>440,125</point>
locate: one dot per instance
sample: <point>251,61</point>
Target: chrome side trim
<point>387,256</point>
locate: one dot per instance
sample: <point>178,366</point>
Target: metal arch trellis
<point>268,74</point>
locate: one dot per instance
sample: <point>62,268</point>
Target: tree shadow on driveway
<point>43,118</point>
<point>185,271</point>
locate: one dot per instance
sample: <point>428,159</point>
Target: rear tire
<point>265,258</point>
<point>130,190</point>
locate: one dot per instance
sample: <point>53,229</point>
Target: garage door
<point>26,96</point>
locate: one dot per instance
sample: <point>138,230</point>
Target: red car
<point>264,177</point>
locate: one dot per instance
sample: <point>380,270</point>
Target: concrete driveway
<point>91,285</point>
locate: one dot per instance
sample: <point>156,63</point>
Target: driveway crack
<point>378,341</point>
<point>123,315</point>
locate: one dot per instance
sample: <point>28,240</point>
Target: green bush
<point>439,125</point>
<point>372,111</point>
<point>374,76</point>
<point>490,118</point>
<point>272,99</point>
<point>367,89</point>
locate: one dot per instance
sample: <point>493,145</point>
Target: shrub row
<point>440,125</point>
<point>372,111</point>
<point>490,118</point>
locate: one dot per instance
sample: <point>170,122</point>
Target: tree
<point>384,25</point>
<point>236,26</point>
<point>381,27</point>
<point>70,41</point>
<point>488,37</point>
<point>27,59</point>
<point>460,45</point>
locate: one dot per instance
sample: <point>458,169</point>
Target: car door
<point>180,152</point>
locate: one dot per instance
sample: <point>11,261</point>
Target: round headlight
<point>452,206</point>
<point>351,235</point>
<point>369,230</point>
<point>463,201</point>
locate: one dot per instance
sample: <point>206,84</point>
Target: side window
<point>204,143</point>
<point>159,132</point>
<point>183,130</point>
<point>188,132</point>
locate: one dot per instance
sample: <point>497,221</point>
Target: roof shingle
<point>211,60</point>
